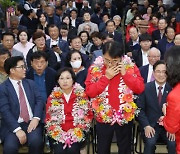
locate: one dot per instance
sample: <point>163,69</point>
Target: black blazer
<point>137,57</point>
<point>151,111</point>
<point>144,72</point>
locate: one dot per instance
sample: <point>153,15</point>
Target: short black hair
<point>7,34</point>
<point>158,63</point>
<point>172,59</point>
<point>11,63</point>
<point>115,49</point>
<point>73,37</point>
<point>4,51</point>
<point>38,55</point>
<point>69,55</point>
<point>168,27</point>
<point>145,37</point>
<point>110,21</point>
<point>64,69</point>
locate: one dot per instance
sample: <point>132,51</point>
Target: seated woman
<point>68,114</point>
<point>74,59</point>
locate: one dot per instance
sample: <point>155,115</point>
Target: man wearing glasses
<point>150,117</point>
<point>21,109</point>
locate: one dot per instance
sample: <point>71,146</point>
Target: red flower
<point>52,127</point>
<point>97,74</point>
<point>57,94</point>
<point>127,98</point>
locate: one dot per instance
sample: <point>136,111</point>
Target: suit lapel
<point>165,93</point>
<point>13,94</point>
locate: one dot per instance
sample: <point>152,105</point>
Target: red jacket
<point>172,118</point>
<point>133,80</point>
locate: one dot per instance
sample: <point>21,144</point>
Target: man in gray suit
<point>7,41</point>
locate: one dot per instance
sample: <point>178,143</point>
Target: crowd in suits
<point>74,34</point>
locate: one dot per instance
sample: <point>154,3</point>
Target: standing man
<point>21,109</point>
<point>150,117</point>
<point>110,80</point>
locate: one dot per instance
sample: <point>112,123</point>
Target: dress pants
<point>150,143</point>
<point>11,143</point>
<point>105,134</point>
<point>57,147</point>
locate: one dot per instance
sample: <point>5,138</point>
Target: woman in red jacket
<point>110,83</point>
<point>172,116</point>
<point>68,114</point>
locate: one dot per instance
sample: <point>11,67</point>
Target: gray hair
<point>154,49</point>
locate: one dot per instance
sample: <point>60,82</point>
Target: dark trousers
<point>11,143</point>
<point>105,134</point>
<point>58,147</point>
<point>150,143</point>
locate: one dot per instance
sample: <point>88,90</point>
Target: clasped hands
<point>114,70</point>
<point>22,135</point>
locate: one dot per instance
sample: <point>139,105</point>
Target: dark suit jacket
<point>144,72</point>
<point>129,46</point>
<point>151,111</point>
<point>63,45</point>
<point>50,81</point>
<point>156,36</point>
<point>56,20</point>
<point>96,19</point>
<point>9,106</point>
<point>137,57</point>
<point>162,46</point>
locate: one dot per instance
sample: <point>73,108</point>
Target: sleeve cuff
<point>37,118</point>
<point>19,128</point>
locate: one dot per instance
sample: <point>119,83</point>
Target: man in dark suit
<point>109,8</point>
<point>58,45</point>
<point>133,43</point>
<point>21,109</point>
<point>160,32</point>
<point>165,43</point>
<point>140,56</point>
<point>75,21</point>
<point>147,70</point>
<point>150,116</point>
<point>111,29</point>
<point>43,75</point>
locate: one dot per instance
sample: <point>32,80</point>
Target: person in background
<point>21,109</point>
<point>43,76</point>
<point>172,109</point>
<point>150,117</point>
<point>167,42</point>
<point>42,22</point>
<point>140,56</point>
<point>39,39</point>
<point>87,20</point>
<point>68,111</point>
<point>177,40</point>
<point>7,41</point>
<point>86,44</point>
<point>147,71</point>
<point>109,79</point>
<point>75,61</point>
<point>4,54</point>
<point>23,45</point>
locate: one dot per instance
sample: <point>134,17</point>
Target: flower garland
<point>57,117</point>
<point>103,110</point>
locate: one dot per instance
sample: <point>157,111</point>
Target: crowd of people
<point>67,65</point>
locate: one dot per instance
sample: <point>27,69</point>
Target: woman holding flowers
<point>68,114</point>
<point>110,83</point>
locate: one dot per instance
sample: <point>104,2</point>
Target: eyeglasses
<point>22,67</point>
<point>112,62</point>
<point>153,57</point>
<point>160,72</point>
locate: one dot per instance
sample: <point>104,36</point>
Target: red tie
<point>23,106</point>
<point>160,94</point>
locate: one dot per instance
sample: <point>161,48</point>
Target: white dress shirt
<point>144,58</point>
